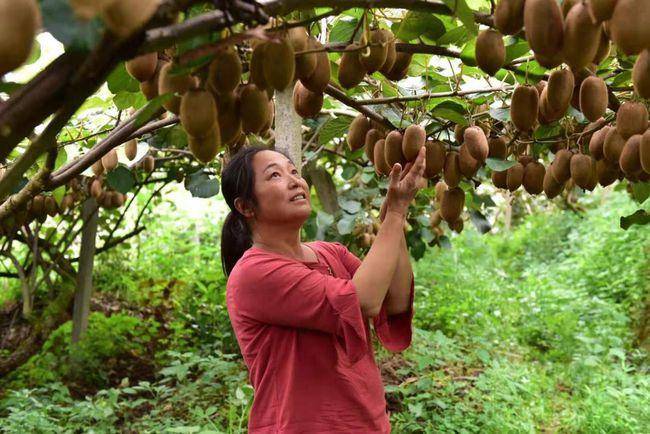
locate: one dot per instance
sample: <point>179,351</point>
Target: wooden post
<point>85,274</point>
<point>288,127</point>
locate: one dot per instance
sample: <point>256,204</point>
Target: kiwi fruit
<point>278,64</point>
<point>597,142</point>
<point>351,70</point>
<point>581,37</point>
<point>509,16</point>
<point>86,9</point>
<point>414,138</point>
<point>644,152</point>
<point>269,120</point>
<point>457,226</point>
<point>601,10</point>
<point>318,80</point>
<point>381,166</point>
<point>593,98</point>
<point>551,187</point>
<point>459,132</point>
<point>440,189</point>
<point>451,170</point>
<point>175,84</point>
<point>641,74</point>
<point>124,17</point>
<point>490,51</point>
<point>630,160</point>
<point>567,5</point>
<point>37,206</point>
<point>498,148</point>
<point>467,163</point>
<point>559,90</point>
<point>581,170</point>
<point>500,179</point>
<point>544,26</point>
<point>109,160</point>
<point>67,202</point>
<point>131,149</point>
<point>561,167</point>
<point>524,106</point>
<point>97,168</point>
<point>95,188</point>
<point>435,219</point>
<point>603,49</point>
<point>359,127</point>
<point>205,148</point>
<point>400,67</point>
<point>230,123</point>
<point>514,176</point>
<point>253,108</point>
<point>393,150</point>
<point>19,22</point>
<point>631,119</point>
<point>533,180</point>
<point>435,158</point>
<point>546,113</point>
<point>149,88</point>
<point>629,27</point>
<point>372,136</point>
<point>306,63</point>
<point>525,160</point>
<point>143,67</point>
<point>606,172</point>
<point>198,112</point>
<point>256,66</point>
<point>50,205</point>
<point>452,203</point>
<point>391,51</point>
<point>305,102</point>
<point>613,146</point>
<point>224,73</point>
<point>148,164</point>
<point>477,143</point>
<point>549,61</point>
<point>374,57</point>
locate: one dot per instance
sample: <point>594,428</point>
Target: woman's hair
<point>237,180</point>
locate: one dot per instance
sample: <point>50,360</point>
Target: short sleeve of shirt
<point>393,331</point>
<point>280,291</point>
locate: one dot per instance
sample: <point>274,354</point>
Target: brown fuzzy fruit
<point>534,174</point>
<point>581,37</point>
<point>603,49</point>
<point>631,119</point>
<point>97,168</point>
<point>457,226</point>
<point>490,51</point>
<point>440,189</point>
<point>230,123</point>
<point>359,127</point>
<point>641,74</point>
<point>467,163</point>
<point>597,142</point>
<point>256,66</point>
<point>477,143</point>
<point>459,133</point>
<point>131,149</point>
<point>498,148</point>
<point>581,170</point>
<point>391,51</point>
<point>124,17</point>
<point>561,167</point>
<point>601,10</point>
<point>435,158</point>
<point>629,26</point>
<point>148,164</point>
<point>644,152</point>
<point>19,21</point>
<point>452,203</point>
<point>51,208</point>
<point>318,80</point>
<point>593,98</point>
<point>393,151</point>
<point>224,73</point>
<point>306,63</point>
<point>414,138</point>
<point>451,171</point>
<point>253,108</point>
<point>109,160</point>
<point>143,67</point>
<point>372,136</point>
<point>351,70</point>
<point>515,176</point>
<point>400,67</point>
<point>149,88</point>
<point>606,172</point>
<point>279,64</point>
<point>549,61</point>
<point>630,160</point>
<point>381,166</point>
<point>198,112</point>
<point>567,5</point>
<point>613,146</point>
<point>174,84</point>
<point>509,16</point>
<point>96,188</point>
<point>560,90</point>
<point>523,108</point>
<point>306,103</point>
<point>544,26</point>
<point>500,179</point>
<point>205,148</point>
<point>551,187</point>
<point>374,57</point>
<point>435,219</point>
<point>525,160</point>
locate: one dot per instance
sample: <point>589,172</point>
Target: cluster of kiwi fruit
<point>376,51</point>
<point>366,234</point>
<point>121,17</point>
<point>448,206</point>
<point>106,197</point>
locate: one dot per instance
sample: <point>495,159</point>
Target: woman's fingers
<point>394,175</point>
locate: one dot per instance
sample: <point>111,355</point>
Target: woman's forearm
<point>398,297</point>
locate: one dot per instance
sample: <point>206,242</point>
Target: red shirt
<point>306,344</point>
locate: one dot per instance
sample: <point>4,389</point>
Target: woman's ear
<point>243,209</point>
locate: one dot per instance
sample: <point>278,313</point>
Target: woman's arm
<point>399,291</point>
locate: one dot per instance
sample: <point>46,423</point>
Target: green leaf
<point>200,184</point>
<point>500,113</point>
<point>58,194</point>
<point>9,86</point>
<point>342,30</point>
<point>125,100</point>
<point>120,179</point>
<point>120,81</point>
<point>151,107</point>
<point>350,206</point>
<point>641,191</point>
<point>416,24</point>
<point>499,165</point>
<point>464,14</point>
<point>622,79</point>
<point>516,50</point>
<point>640,217</point>
<point>336,127</point>
<point>451,111</point>
<point>60,21</point>
<point>23,182</point>
<point>346,224</point>
<point>35,54</point>
<point>61,158</point>
<point>468,54</point>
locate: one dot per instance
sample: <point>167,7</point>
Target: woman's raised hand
<point>404,184</point>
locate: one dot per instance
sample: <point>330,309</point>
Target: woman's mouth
<point>298,197</point>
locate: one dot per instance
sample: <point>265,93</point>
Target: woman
<point>300,311</point>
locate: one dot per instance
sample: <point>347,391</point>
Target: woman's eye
<point>275,173</point>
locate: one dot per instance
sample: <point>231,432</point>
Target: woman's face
<point>282,194</point>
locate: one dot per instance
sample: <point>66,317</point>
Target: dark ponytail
<point>237,180</point>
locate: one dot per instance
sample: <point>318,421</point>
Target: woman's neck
<point>278,239</point>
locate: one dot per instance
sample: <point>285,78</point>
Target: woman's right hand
<point>403,185</point>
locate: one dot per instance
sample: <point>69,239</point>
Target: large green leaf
<point>451,111</point>
<point>335,127</point>
<point>499,165</point>
<point>416,24</point>
<point>120,81</point>
<point>342,30</point>
<point>201,184</point>
<point>120,179</point>
<point>640,217</point>
<point>60,21</point>
<point>464,14</point>
<point>641,191</point>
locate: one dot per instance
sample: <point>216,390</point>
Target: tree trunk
<point>288,127</point>
<point>85,272</point>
